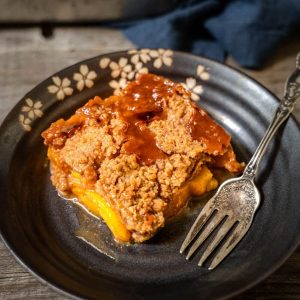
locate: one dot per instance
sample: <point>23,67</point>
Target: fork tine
<point>212,224</point>
<point>228,224</point>
<point>238,233</point>
<point>202,218</point>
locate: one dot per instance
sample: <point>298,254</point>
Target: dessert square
<point>136,158</point>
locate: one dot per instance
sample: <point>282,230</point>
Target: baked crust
<point>145,151</point>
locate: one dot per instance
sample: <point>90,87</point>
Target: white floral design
<point>121,68</point>
<point>202,72</point>
<point>84,78</point>
<point>104,62</point>
<point>25,122</point>
<point>191,85</point>
<point>30,111</point>
<point>130,68</point>
<point>118,85</point>
<point>162,57</point>
<point>140,69</point>
<point>61,87</point>
<point>139,55</point>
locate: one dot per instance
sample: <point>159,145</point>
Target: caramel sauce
<point>60,130</point>
<point>141,102</point>
<point>205,130</point>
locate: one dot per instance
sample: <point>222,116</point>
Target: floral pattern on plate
<point>30,111</point>
<point>122,69</point>
<point>85,77</point>
<point>61,87</point>
<point>191,85</point>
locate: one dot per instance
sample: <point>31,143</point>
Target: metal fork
<point>228,215</point>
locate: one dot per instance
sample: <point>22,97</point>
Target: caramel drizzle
<point>205,130</point>
<point>141,102</point>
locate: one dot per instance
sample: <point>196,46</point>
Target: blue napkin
<point>248,30</point>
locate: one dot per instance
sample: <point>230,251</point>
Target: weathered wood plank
<point>26,58</point>
<point>80,10</point>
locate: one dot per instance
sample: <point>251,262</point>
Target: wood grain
<point>79,10</point>
<point>26,57</point>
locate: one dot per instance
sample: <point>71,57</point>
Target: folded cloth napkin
<point>248,30</point>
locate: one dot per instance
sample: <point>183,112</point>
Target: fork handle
<point>291,95</point>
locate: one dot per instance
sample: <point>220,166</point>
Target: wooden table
<point>26,57</point>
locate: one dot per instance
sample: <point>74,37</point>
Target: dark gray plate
<point>39,227</point>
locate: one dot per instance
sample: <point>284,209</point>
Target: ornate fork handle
<point>291,96</point>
